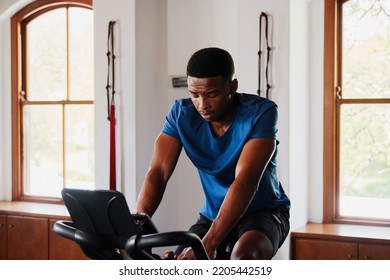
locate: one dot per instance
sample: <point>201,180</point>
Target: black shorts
<point>274,224</point>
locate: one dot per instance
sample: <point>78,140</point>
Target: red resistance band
<point>112,149</point>
<point>111,105</point>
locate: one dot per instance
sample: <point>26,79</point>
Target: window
<point>357,111</point>
<point>52,99</point>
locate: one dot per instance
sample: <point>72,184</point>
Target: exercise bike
<point>104,228</point>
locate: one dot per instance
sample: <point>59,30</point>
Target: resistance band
<point>263,16</point>
<point>111,102</point>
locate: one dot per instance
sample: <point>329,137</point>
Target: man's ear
<point>233,86</point>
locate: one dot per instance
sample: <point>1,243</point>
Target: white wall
<point>7,9</point>
<point>193,25</point>
<point>154,40</point>
<point>299,111</point>
<point>316,62</point>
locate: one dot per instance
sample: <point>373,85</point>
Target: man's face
<point>212,97</point>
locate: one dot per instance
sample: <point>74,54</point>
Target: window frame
<point>332,103</point>
<point>18,85</point>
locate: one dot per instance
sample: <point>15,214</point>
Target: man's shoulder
<point>183,102</point>
<point>247,101</point>
<point>182,109</point>
<point>252,98</point>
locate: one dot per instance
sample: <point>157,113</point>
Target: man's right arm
<point>164,159</point>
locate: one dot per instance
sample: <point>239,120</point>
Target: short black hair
<point>211,62</point>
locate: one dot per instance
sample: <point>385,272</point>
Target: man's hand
<point>188,254</point>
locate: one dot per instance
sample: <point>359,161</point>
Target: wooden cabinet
<point>26,233</point>
<point>374,251</point>
<point>62,248</point>
<point>27,238</point>
<point>340,242</point>
<point>311,249</point>
<point>3,238</point>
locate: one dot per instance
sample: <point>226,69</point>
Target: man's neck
<point>218,128</point>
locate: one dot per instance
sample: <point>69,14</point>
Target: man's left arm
<point>253,160</point>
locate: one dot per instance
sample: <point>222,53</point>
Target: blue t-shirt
<point>216,158</point>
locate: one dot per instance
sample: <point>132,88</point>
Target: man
<point>231,138</point>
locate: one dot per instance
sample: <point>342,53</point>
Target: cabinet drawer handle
<point>350,256</point>
<point>10,226</point>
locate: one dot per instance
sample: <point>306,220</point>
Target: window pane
<point>79,130</point>
<point>365,160</point>
<point>46,56</point>
<point>81,54</point>
<point>43,150</point>
<point>366,49</point>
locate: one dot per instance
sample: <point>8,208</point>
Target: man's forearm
<point>151,194</point>
<point>233,208</point>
